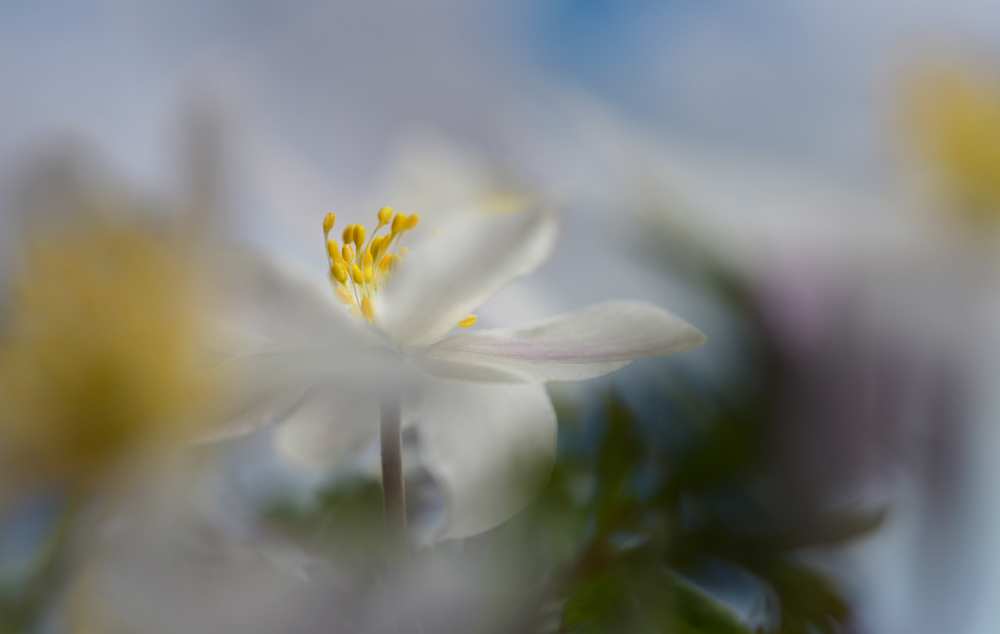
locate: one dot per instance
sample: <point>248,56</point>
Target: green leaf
<point>808,598</point>
<point>597,604</point>
<point>695,612</point>
<point>620,454</point>
<point>345,516</point>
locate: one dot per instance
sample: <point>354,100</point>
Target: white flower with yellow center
<point>475,397</point>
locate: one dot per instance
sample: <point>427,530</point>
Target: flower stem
<point>393,491</point>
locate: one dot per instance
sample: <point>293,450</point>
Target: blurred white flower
<point>952,120</point>
<point>100,352</point>
<point>476,398</point>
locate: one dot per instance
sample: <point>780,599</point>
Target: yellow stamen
<point>367,267</point>
<point>339,272</point>
<point>345,295</point>
<point>378,247</point>
<point>333,250</point>
<point>356,275</point>
<point>387,263</point>
<point>368,309</point>
<point>468,322</point>
<point>397,223</point>
<point>358,268</point>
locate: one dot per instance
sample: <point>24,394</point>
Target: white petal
<point>330,427</point>
<point>490,445</point>
<point>260,300</point>
<point>250,408</point>
<point>439,177</point>
<point>569,347</point>
<point>458,269</point>
<point>279,333</point>
<point>264,388</point>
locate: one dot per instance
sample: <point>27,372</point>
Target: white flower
<point>476,397</point>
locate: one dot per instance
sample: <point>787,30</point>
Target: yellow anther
<point>378,246</point>
<point>367,266</point>
<point>368,309</point>
<point>468,322</point>
<point>333,250</point>
<point>359,268</point>
<point>397,223</point>
<point>345,295</point>
<point>339,272</point>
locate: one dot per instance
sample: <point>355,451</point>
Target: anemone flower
<point>387,354</point>
<point>100,360</point>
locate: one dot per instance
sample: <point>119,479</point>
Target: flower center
<point>360,265</point>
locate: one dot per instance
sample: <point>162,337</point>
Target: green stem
<point>393,491</point>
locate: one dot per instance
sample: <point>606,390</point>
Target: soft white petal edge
<point>263,301</point>
<point>453,273</point>
<point>264,388</point>
<point>573,346</point>
<point>326,429</point>
<point>491,446</point>
<point>278,331</point>
<point>250,409</point>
